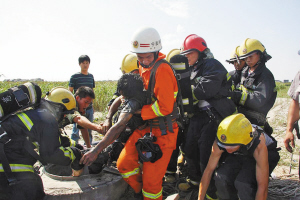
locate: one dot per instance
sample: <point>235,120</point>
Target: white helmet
<point>145,40</point>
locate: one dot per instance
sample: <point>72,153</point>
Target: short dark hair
<point>83,58</point>
<point>85,91</point>
<point>131,85</point>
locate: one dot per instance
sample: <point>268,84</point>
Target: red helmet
<point>193,42</point>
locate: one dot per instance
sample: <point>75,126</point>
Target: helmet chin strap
<point>152,63</point>
<point>260,60</point>
<point>201,56</point>
<point>257,64</point>
<point>194,64</point>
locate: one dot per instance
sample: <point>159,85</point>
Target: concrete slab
<point>173,197</point>
<point>102,186</point>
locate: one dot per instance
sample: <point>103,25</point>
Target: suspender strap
<point>5,164</point>
<point>183,75</point>
<point>169,118</point>
<point>162,126</point>
<point>30,149</point>
<point>170,124</point>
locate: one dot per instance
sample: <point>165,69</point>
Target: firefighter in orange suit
<point>147,181</point>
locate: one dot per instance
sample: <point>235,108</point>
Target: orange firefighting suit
<point>149,178</point>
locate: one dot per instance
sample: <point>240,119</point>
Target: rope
<point>284,186</point>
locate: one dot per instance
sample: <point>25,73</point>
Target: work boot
<point>188,186</point>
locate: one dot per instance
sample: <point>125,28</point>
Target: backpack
<point>18,98</point>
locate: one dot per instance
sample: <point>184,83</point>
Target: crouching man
<point>248,157</point>
<point>22,134</point>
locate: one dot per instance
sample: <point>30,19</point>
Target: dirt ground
<point>284,182</point>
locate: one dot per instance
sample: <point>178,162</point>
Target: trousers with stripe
<point>149,177</point>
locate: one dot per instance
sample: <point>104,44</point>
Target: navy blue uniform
<point>40,127</point>
<point>256,94</point>
<point>209,84</point>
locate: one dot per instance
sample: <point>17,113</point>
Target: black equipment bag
<point>18,98</point>
<point>148,151</point>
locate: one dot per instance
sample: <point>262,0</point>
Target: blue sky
<point>43,39</point>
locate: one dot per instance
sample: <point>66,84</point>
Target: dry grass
<point>285,182</point>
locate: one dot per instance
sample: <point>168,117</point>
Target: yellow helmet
<point>62,96</point>
<point>129,63</point>
<point>250,46</point>
<point>235,130</point>
<point>234,55</point>
<point>172,53</point>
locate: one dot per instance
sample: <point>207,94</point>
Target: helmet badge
<point>245,50</point>
<point>135,44</point>
<point>223,138</point>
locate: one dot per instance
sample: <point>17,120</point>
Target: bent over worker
<point>128,65</point>
<point>21,134</point>
<point>251,156</point>
<point>147,182</point>
<point>131,87</point>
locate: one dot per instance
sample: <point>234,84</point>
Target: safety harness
<point>177,114</point>
<point>27,145</point>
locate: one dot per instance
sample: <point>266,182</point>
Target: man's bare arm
<point>293,116</point>
<point>112,134</point>
<point>112,110</point>
<point>262,169</point>
<point>209,170</point>
<point>85,123</point>
<point>86,137</point>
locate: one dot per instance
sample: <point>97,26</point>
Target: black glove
<point>236,96</point>
<point>75,164</point>
<point>79,146</point>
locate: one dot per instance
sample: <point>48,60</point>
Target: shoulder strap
<point>152,77</point>
<point>17,111</point>
<point>152,84</point>
<point>30,149</point>
<point>5,164</point>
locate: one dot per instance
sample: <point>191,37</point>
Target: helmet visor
<point>187,51</point>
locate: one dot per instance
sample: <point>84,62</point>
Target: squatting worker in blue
<point>34,129</point>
